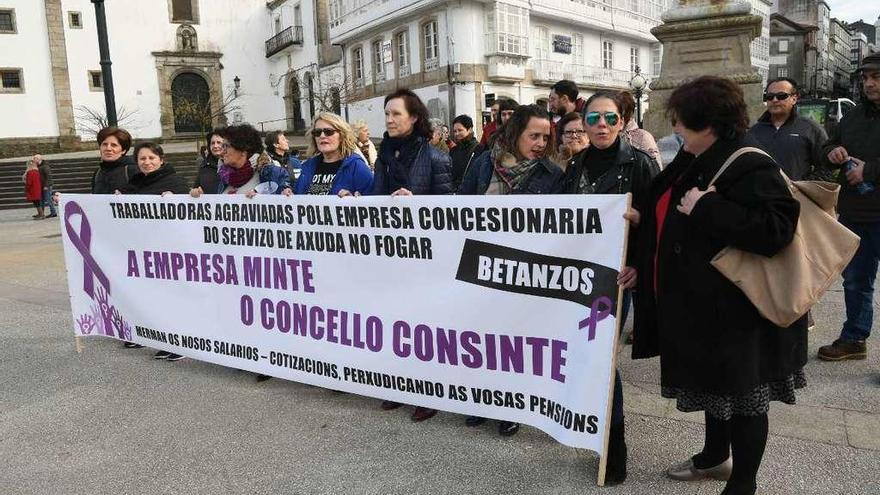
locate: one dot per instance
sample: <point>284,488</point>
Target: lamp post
<point>638,83</point>
<point>237,82</point>
<point>106,72</point>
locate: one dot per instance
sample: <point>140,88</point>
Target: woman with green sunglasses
<point>611,166</point>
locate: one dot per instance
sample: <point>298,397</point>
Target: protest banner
<point>501,307</point>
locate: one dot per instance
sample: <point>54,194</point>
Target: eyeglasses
<point>611,118</point>
<point>325,132</point>
<point>781,96</point>
<point>574,133</point>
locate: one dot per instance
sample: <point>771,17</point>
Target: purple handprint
<point>97,318</point>
<point>106,310</point>
<point>86,324</point>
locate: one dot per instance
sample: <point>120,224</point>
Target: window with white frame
<point>607,54</point>
<point>431,45</point>
<point>633,58</point>
<point>542,43</point>
<point>7,21</point>
<point>783,46</point>
<point>577,48</point>
<point>656,58</point>
<point>378,61</point>
<point>782,72</point>
<point>508,29</point>
<point>401,41</point>
<point>357,61</point>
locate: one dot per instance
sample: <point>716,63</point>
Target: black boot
<point>615,468</point>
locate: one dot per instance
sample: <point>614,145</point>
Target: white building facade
<point>178,66</point>
<point>458,56</point>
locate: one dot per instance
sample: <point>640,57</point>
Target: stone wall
<point>12,147</point>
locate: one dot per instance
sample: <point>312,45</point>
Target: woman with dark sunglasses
<point>336,166</point>
<point>612,166</point>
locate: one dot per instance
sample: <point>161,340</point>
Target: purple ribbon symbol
<point>599,310</point>
<point>81,241</point>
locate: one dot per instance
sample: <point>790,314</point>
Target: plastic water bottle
<point>863,187</point>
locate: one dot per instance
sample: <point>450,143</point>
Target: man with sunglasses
<point>855,148</point>
<point>795,142</point>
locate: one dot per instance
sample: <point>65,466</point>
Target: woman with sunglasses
<point>717,353</point>
<point>611,166</point>
<point>335,166</point>
<point>521,161</point>
<point>246,168</point>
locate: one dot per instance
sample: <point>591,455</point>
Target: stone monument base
<point>705,40</point>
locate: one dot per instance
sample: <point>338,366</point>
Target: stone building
<point>788,45</point>
<point>819,72</point>
<point>840,53</point>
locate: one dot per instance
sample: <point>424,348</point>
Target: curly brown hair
<point>710,102</point>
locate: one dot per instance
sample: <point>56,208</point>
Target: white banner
<point>496,306</point>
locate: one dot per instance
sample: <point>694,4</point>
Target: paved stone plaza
<point>115,421</point>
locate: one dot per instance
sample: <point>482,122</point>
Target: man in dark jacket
<point>466,150</point>
<point>855,147</point>
<point>564,99</point>
<point>46,181</point>
<point>795,142</point>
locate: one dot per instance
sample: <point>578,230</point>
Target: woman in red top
<point>33,189</point>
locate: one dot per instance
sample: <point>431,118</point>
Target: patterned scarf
<point>509,174</point>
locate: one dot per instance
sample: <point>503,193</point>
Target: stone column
<point>60,75</point>
<point>705,37</point>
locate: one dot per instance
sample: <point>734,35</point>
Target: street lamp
<point>638,83</point>
<point>237,81</point>
<point>106,73</point>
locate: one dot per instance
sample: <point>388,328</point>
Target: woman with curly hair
<point>247,169</point>
<point>717,353</point>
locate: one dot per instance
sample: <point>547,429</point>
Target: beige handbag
<point>784,287</point>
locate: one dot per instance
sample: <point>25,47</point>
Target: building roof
<point>792,24</point>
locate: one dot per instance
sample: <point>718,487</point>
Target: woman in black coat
<point>207,179</point>
<point>155,177</point>
<point>611,166</point>
<point>717,353</point>
<point>407,163</point>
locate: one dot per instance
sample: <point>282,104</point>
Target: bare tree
<point>90,121</point>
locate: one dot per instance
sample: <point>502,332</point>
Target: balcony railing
<point>290,36</point>
<point>551,70</point>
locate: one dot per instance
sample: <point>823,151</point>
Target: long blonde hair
<point>347,138</point>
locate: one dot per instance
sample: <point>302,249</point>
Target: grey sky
<point>853,10</point>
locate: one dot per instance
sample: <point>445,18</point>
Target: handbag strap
<point>736,154</point>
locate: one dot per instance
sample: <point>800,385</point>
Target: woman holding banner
<point>247,169</point>
<point>335,167</point>
<point>407,163</point>
<point>521,162</point>
<point>155,177</point>
<point>717,353</point>
<point>611,166</point>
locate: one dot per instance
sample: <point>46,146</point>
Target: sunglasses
<point>778,96</point>
<point>611,118</point>
<point>325,132</point>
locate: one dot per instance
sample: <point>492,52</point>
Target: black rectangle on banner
<point>524,272</point>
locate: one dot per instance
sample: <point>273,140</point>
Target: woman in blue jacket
<point>336,166</point>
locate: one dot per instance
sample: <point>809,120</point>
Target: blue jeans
<point>858,281</point>
<point>47,200</point>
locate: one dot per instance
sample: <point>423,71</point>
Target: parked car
<point>824,111</point>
